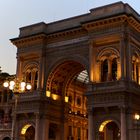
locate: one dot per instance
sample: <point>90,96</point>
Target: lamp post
<point>17,87</point>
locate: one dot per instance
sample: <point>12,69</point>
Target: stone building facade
<point>92,59</point>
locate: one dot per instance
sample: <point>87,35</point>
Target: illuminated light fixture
<point>11,87</point>
<point>66,99</point>
<point>6,84</point>
<point>137,116</point>
<point>12,83</point>
<point>22,84</point>
<point>70,112</point>
<point>103,125</point>
<point>48,93</point>
<point>17,86</point>
<point>28,86</point>
<point>24,129</point>
<point>54,96</point>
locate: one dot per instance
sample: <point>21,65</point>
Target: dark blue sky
<point>18,13</point>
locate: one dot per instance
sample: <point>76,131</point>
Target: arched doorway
<point>109,130</point>
<point>70,79</point>
<point>6,138</point>
<point>28,132</point>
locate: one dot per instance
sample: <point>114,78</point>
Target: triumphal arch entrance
<point>85,76</point>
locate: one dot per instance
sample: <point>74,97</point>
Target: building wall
<point>105,43</point>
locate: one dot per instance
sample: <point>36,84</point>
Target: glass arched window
<point>104,73</point>
<point>114,69</point>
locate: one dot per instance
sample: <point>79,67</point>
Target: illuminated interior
<point>109,130</point>
<point>24,129</point>
<point>103,125</point>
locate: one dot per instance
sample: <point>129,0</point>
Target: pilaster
<point>123,123</point>
<point>90,125</point>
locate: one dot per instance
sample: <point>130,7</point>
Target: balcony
<point>113,93</point>
<point>113,86</point>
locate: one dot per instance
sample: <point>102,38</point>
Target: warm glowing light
<point>28,86</point>
<point>11,87</point>
<point>17,87</point>
<point>12,83</point>
<point>66,99</point>
<point>137,116</point>
<point>6,84</point>
<point>48,93</point>
<point>85,115</point>
<point>23,131</point>
<point>54,96</point>
<point>103,125</point>
<point>22,84</point>
<point>70,111</point>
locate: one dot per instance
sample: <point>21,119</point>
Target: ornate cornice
<point>113,20</point>
<point>28,39</point>
<point>65,35</point>
<point>102,22</point>
<point>80,31</point>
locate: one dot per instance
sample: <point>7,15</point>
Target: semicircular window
<point>83,77</point>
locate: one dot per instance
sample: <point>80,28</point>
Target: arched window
<point>114,69</point>
<point>135,69</point>
<point>31,76</point>
<point>104,73</point>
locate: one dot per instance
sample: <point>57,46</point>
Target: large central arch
<point>69,78</point>
<point>62,75</point>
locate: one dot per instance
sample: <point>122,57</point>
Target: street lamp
<point>17,87</point>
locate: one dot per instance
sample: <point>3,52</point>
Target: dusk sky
<point>18,13</point>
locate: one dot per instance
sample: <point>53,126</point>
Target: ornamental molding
<point>113,20</point>
<point>25,40</point>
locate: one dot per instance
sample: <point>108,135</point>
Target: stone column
<point>37,127</point>
<point>74,132</point>
<point>118,69</point>
<point>135,75</point>
<point>19,67</point>
<point>122,57</point>
<point>91,65</point>
<point>109,76</point>
<point>45,129</point>
<point>90,125</point>
<point>14,119</point>
<point>41,71</point>
<point>6,116</point>
<point>123,124</point>
<point>139,73</point>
